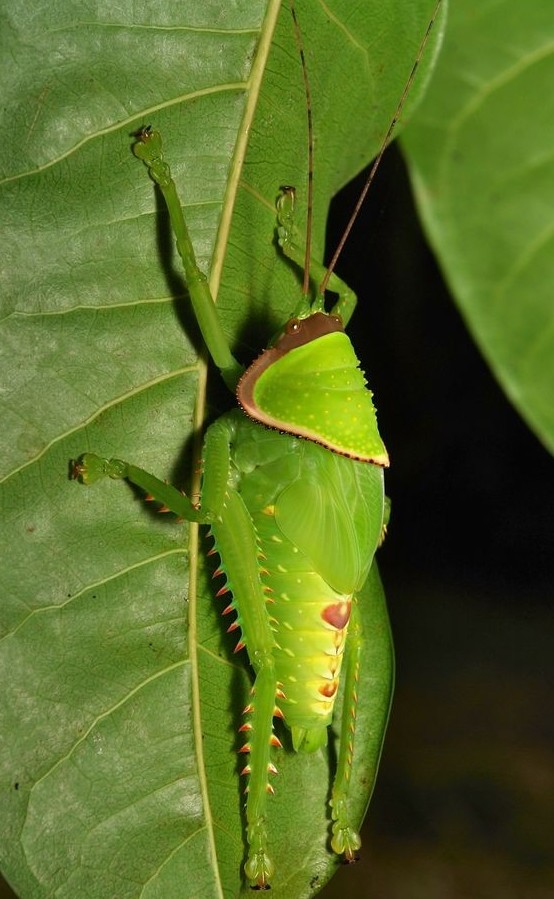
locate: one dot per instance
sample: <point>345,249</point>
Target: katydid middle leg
<point>286,230</point>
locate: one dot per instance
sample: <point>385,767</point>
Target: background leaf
<point>120,777</point>
<point>480,154</point>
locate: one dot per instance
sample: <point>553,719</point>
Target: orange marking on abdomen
<point>337,614</point>
<point>328,689</point>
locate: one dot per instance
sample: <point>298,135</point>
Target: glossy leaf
<point>121,696</point>
<point>480,152</point>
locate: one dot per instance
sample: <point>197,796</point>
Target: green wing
<point>333,513</point>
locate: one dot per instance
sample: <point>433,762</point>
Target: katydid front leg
<point>148,148</point>
<point>286,232</point>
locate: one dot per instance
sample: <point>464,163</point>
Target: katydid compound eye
<point>293,326</point>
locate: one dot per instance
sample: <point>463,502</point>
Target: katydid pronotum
<point>293,494</point>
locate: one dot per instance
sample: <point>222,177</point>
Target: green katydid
<point>296,509</point>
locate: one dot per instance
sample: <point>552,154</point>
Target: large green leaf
<point>480,152</point>
<point>120,695</point>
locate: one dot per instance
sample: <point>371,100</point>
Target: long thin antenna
<point>382,148</point>
<point>309,217</point>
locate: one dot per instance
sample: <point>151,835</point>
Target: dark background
<point>464,803</point>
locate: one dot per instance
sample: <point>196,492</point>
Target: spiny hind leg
<point>346,840</point>
<point>286,232</point>
<point>236,542</point>
<point>237,548</point>
<point>259,867</point>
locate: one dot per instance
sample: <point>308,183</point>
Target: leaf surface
<point>480,153</point>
